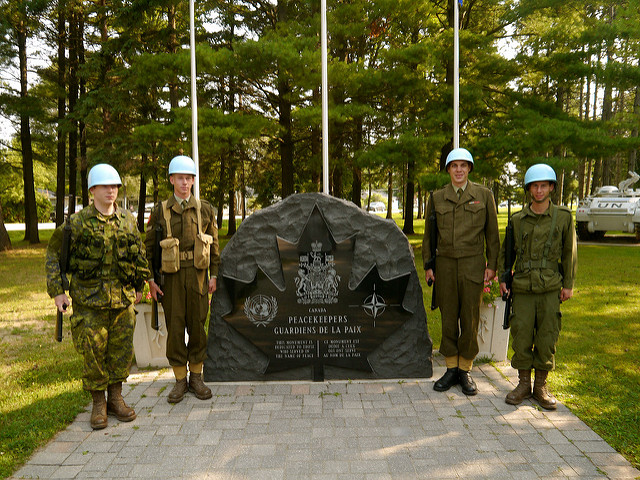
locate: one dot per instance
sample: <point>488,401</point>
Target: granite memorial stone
<point>313,288</point>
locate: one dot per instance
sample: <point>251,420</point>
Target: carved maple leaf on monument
<point>316,319</point>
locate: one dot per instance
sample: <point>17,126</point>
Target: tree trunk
<point>106,63</point>
<point>73,98</point>
<point>82,127</point>
<point>419,195</point>
<point>284,117</point>
<point>407,229</point>
<point>30,209</point>
<point>142,194</point>
<point>356,184</point>
<point>232,200</point>
<point>5,240</point>
<point>390,195</point>
<point>173,48</point>
<point>631,163</point>
<point>61,168</point>
<point>221,188</point>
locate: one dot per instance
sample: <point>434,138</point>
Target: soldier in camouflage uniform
<point>543,276</point>
<point>467,221</point>
<point>108,270</point>
<point>186,289</point>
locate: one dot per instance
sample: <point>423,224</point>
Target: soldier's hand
<point>154,289</point>
<point>430,277</point>
<point>489,275</point>
<point>503,288</point>
<point>566,294</point>
<point>62,302</point>
<point>138,297</point>
<point>212,285</point>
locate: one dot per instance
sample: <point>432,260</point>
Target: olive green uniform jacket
<point>186,298</point>
<point>106,267</point>
<point>537,280</point>
<point>467,231</point>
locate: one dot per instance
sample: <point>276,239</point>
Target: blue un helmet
<point>104,174</point>
<point>540,172</point>
<point>182,164</point>
<point>459,154</point>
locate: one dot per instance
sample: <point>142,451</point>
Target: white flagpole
<point>325,98</point>
<point>194,100</point>
<point>456,75</point>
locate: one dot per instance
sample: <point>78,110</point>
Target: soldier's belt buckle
<point>187,255</point>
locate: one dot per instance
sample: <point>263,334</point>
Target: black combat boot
<point>541,392</point>
<point>522,391</point>
<point>177,392</point>
<point>197,386</point>
<point>116,405</point>
<point>466,383</point>
<point>448,380</point>
<point>99,411</point>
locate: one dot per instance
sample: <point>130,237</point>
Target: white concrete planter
<point>493,340</point>
<point>149,345</point>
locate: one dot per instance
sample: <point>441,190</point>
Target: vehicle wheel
<point>637,232</point>
<point>583,232</point>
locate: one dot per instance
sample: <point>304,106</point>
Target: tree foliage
<point>540,80</point>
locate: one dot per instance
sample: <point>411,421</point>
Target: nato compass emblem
<point>375,305</point>
<point>317,281</point>
<point>260,309</point>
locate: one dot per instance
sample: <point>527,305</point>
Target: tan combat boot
<point>116,405</point>
<point>99,410</point>
<point>522,391</point>
<point>197,386</point>
<point>177,392</point>
<point>541,392</point>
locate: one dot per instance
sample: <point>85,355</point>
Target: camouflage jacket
<point>107,264</point>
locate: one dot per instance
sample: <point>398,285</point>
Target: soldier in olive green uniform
<point>108,270</point>
<point>186,289</point>
<point>466,222</point>
<point>543,275</point>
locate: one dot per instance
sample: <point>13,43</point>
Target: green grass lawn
<point>598,358</point>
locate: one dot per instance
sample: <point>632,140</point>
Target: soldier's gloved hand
<point>62,302</point>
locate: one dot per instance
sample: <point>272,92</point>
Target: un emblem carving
<point>260,309</point>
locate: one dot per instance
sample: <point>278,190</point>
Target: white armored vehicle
<point>610,209</point>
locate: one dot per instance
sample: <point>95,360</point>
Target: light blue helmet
<point>103,174</point>
<point>540,172</point>
<point>182,164</point>
<point>459,154</point>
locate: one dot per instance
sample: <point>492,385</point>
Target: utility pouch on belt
<point>202,244</point>
<point>170,246</point>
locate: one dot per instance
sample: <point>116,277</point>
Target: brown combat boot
<point>197,386</point>
<point>116,405</point>
<point>522,391</point>
<point>177,392</point>
<point>541,392</point>
<point>99,411</point>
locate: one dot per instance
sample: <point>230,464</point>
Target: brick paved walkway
<point>331,430</point>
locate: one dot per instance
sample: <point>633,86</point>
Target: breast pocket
<point>444,216</point>
<point>475,214</point>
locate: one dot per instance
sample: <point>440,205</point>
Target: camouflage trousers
<point>104,338</point>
